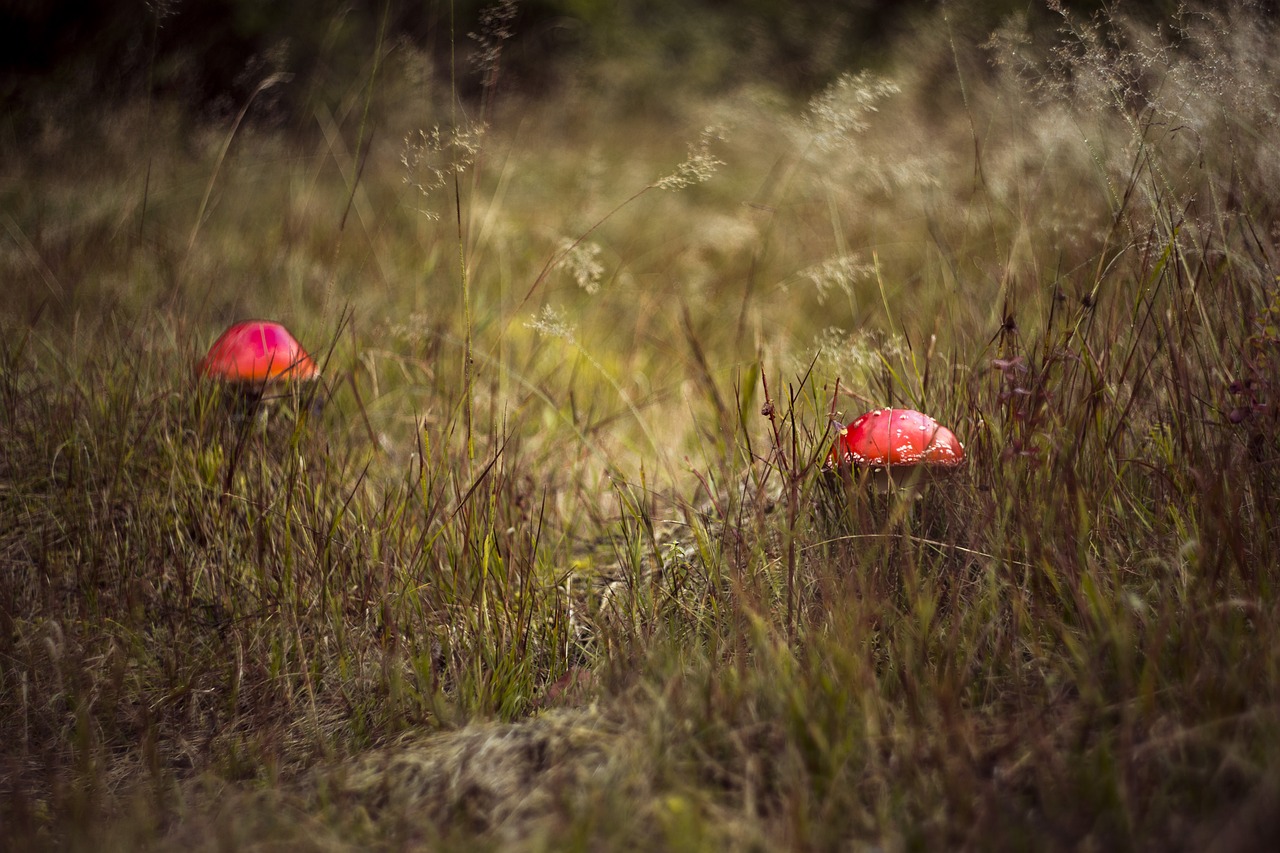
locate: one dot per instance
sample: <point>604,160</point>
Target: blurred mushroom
<point>896,447</point>
<point>255,357</point>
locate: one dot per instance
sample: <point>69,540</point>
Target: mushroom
<point>255,356</point>
<point>895,447</point>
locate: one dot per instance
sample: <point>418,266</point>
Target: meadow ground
<point>557,565</point>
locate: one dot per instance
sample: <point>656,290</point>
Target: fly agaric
<point>255,356</point>
<point>896,446</point>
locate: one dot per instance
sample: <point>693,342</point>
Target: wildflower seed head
<point>551,321</point>
<point>842,110</point>
<point>432,158</point>
<point>495,28</point>
<point>161,9</point>
<point>839,272</point>
<point>855,357</point>
<point>698,167</point>
<point>581,260</point>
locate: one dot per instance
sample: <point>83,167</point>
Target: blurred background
<point>61,55</point>
<point>859,181</point>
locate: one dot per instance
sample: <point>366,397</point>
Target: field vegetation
<point>558,565</point>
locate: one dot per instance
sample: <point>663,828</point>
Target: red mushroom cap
<point>897,438</point>
<point>257,351</point>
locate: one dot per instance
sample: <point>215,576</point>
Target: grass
<point>609,598</point>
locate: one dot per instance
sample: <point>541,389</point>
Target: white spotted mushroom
<point>896,447</point>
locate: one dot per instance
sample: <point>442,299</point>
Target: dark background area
<point>68,55</point>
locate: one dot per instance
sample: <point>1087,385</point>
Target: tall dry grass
<point>593,476</point>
